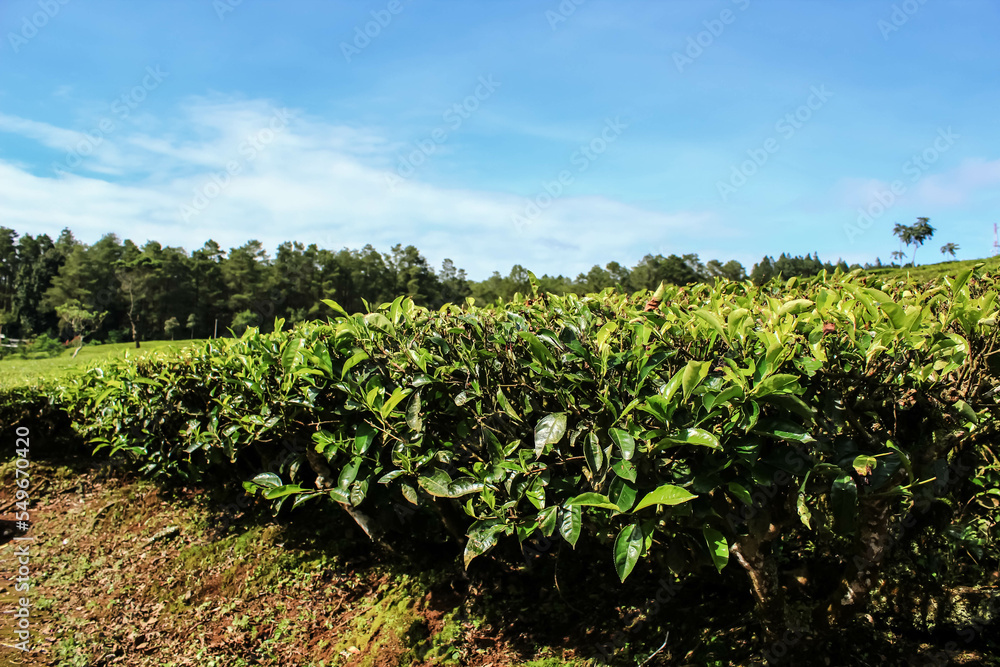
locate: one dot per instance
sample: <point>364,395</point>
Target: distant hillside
<point>937,271</point>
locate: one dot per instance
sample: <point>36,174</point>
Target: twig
<point>555,577</point>
<point>665,640</point>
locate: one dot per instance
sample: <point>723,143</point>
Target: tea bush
<point>811,423</point>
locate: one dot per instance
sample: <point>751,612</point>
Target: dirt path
<point>124,576</point>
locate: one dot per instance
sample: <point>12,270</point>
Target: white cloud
<point>314,182</point>
<point>958,185</point>
<point>945,189</point>
<point>43,133</point>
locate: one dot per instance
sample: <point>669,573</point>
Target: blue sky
<point>554,135</point>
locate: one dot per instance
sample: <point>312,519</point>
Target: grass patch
<point>15,371</point>
<point>936,272</point>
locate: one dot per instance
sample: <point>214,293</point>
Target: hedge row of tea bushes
<point>794,424</point>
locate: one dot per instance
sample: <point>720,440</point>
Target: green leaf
<point>740,492</point>
<point>713,321</point>
<point>410,493</point>
<point>569,525</point>
<point>864,464</point>
<point>391,475</point>
<point>350,472</point>
<point>482,538</point>
<point>549,430</point>
<point>340,495</point>
<point>668,494</point>
<point>960,280</point>
<point>624,469</point>
<point>718,547</point>
<point>335,307</point>
<point>784,430</point>
<point>966,411</point>
<point>659,407</point>
<point>538,349</point>
<point>623,494</point>
<point>436,483</point>
<point>292,348</point>
<point>398,395</point>
<point>803,510</point>
<point>628,547</point>
<point>358,492</point>
<point>357,358</point>
<point>695,436</point>
<point>363,438</point>
<point>605,332</point>
<point>591,499</point>
<point>506,406</point>
<point>282,491</point>
<point>624,441</point>
<point>323,439</point>
<point>794,307</point>
<point>463,486</point>
<point>546,520</point>
<point>593,453</point>
<point>694,373</point>
<point>413,418</point>
<point>776,384</point>
<point>903,458</point>
<point>267,480</point>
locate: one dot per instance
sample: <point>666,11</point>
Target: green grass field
<point>929,272</point>
<point>15,371</point>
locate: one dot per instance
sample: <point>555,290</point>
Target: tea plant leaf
<point>718,547</point>
<point>436,483</point>
<point>624,440</point>
<point>695,436</point>
<point>593,453</point>
<point>546,520</point>
<point>694,373</point>
<point>549,430</point>
<point>335,307</point>
<point>267,480</point>
<point>591,499</point>
<point>864,464</point>
<point>482,537</point>
<point>570,523</point>
<point>776,384</point>
<point>413,418</point>
<point>624,469</point>
<point>667,494</point>
<point>628,547</point>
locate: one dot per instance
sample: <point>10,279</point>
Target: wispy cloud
<point>45,134</point>
<point>959,185</point>
<point>317,182</point>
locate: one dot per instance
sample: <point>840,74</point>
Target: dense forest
<point>117,291</point>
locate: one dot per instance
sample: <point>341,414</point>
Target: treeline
<point>117,291</point>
